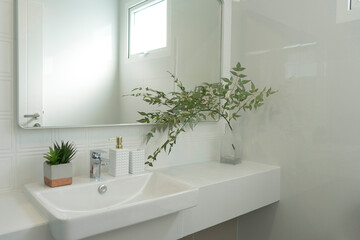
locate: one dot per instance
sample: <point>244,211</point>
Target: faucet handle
<point>96,161</point>
<point>96,154</point>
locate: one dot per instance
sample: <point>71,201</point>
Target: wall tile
<point>29,168</point>
<point>102,135</point>
<point>6,176</point>
<point>6,22</point>
<point>6,56</point>
<point>5,98</point>
<point>133,137</point>
<point>77,135</point>
<point>6,136</point>
<point>81,163</point>
<point>33,140</point>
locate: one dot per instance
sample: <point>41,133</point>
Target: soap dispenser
<point>119,159</point>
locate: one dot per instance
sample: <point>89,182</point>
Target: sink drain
<point>102,189</point>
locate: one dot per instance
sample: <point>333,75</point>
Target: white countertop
<point>19,215</point>
<point>208,173</point>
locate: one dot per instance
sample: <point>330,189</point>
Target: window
<point>147,27</point>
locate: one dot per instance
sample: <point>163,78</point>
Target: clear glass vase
<point>230,147</point>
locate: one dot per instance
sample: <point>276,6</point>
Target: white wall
<point>311,126</point>
<point>21,150</point>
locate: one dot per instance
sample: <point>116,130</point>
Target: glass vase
<point>230,147</point>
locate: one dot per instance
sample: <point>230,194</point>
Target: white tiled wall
<point>311,126</point>
<point>6,104</point>
<point>21,150</point>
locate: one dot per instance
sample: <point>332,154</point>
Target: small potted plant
<point>58,167</point>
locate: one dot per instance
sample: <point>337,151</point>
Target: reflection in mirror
<point>147,21</point>
<point>78,58</point>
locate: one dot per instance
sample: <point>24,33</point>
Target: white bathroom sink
<point>79,210</point>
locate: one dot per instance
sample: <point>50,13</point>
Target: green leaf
<point>225,80</point>
<point>253,86</point>
<point>149,136</point>
<point>234,73</point>
<point>144,120</point>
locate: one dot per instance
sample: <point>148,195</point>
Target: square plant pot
<point>57,175</point>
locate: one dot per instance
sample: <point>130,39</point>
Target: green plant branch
<point>188,108</point>
<point>246,102</point>
<point>170,142</point>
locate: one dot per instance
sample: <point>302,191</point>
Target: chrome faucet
<point>96,161</point>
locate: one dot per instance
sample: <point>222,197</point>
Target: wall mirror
<point>78,58</point>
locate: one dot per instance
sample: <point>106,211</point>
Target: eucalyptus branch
<point>188,108</point>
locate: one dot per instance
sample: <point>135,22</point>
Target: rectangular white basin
<point>79,210</point>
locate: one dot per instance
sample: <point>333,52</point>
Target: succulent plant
<point>60,153</point>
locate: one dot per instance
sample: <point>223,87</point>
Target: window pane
<point>148,27</point>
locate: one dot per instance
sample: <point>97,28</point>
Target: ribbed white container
<point>137,161</point>
<point>119,162</point>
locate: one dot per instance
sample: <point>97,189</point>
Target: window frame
<point>159,52</point>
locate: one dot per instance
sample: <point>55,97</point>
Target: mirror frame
<point>20,62</point>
